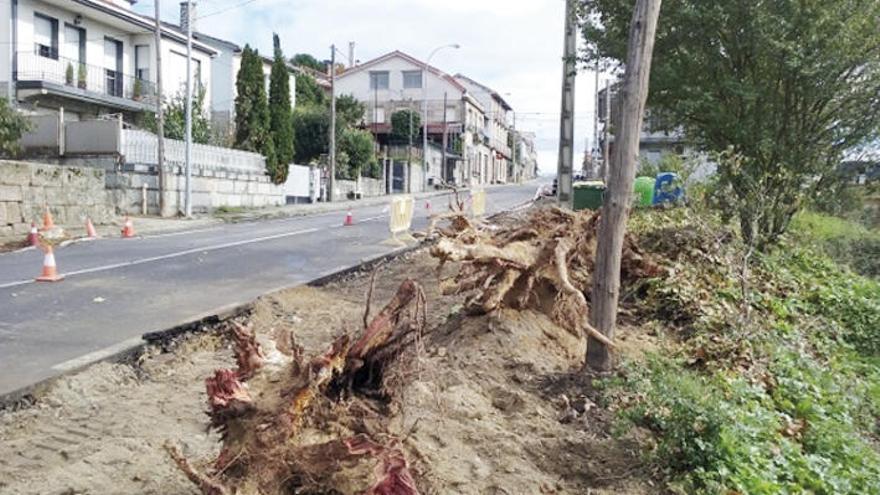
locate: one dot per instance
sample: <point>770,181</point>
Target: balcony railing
<point>92,78</point>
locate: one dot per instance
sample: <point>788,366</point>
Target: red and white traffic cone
<point>128,228</point>
<point>349,219</point>
<point>50,270</point>
<point>33,238</point>
<point>428,207</point>
<point>90,229</point>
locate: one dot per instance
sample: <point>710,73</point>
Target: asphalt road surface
<point>118,289</point>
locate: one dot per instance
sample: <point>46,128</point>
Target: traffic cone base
<point>349,219</point>
<point>50,271</point>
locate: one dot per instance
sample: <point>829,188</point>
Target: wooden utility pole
<point>606,141</point>
<point>566,119</point>
<point>160,113</point>
<point>331,180</point>
<point>618,197</point>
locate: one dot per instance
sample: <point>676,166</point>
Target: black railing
<point>32,66</point>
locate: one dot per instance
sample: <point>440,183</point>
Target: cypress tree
<point>281,114</point>
<point>252,122</point>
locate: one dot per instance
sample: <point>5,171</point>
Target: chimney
<point>351,54</point>
<point>186,6</point>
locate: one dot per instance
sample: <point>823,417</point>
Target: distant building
<point>397,81</point>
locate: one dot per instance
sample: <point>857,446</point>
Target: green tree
<point>281,115</point>
<point>402,128</point>
<point>252,120</point>
<point>12,125</point>
<point>783,88</point>
<point>308,92</point>
<point>175,118</point>
<point>349,112</point>
<point>358,146</point>
<point>311,124</point>
<point>306,60</point>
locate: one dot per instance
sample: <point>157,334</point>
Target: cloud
<point>513,46</point>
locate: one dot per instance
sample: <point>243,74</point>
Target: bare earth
<point>493,404</point>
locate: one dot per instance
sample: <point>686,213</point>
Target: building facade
<point>397,81</point>
<point>494,131</point>
<point>91,57</point>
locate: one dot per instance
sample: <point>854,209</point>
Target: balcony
<point>89,84</point>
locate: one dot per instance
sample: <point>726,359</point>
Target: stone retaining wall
<point>72,194</point>
<point>368,187</point>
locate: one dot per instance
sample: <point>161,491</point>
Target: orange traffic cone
<point>128,228</point>
<point>50,270</point>
<point>349,219</point>
<point>90,229</point>
<point>48,222</point>
<point>33,238</point>
<point>428,207</point>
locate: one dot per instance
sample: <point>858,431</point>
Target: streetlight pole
<point>425,113</point>
<point>189,103</point>
<point>160,114</point>
<point>332,179</point>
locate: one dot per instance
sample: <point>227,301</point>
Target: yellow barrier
<point>401,219</point>
<point>478,203</point>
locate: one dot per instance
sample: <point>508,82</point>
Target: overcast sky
<point>512,46</point>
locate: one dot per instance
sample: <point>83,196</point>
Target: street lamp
<point>425,113</point>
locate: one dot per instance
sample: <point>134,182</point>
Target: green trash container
<point>644,190</point>
<point>588,195</point>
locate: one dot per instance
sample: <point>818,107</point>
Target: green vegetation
<point>780,90</point>
<point>280,115</point>
<point>175,118</point>
<point>847,242</point>
<point>252,120</point>
<point>406,125</point>
<point>359,150</point>
<point>12,126</point>
<point>306,60</point>
<point>770,386</point>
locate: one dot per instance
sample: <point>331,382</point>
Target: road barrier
<point>478,203</point>
<point>401,218</point>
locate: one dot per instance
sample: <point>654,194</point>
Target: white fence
<point>140,147</point>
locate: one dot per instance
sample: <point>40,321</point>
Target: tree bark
<point>615,212</point>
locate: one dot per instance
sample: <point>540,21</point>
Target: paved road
<point>155,283</point>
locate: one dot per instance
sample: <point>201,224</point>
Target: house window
<point>379,80</point>
<point>46,36</point>
<point>412,79</point>
<point>113,67</point>
<point>74,49</point>
<point>142,62</point>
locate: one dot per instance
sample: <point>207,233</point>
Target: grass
<point>785,401</point>
<point>846,241</point>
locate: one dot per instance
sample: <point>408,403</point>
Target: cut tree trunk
<point>615,211</point>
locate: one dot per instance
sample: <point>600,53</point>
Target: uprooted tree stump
<point>264,410</point>
<point>542,264</point>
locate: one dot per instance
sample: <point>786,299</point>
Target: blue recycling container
<point>668,189</point>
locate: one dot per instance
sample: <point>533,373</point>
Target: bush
<point>12,125</point>
<point>846,241</point>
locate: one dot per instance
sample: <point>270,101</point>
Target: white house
<point>397,81</point>
<point>91,57</point>
<point>494,129</point>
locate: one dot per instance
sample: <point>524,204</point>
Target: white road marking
<point>178,254</point>
<point>98,355</point>
<point>182,232</point>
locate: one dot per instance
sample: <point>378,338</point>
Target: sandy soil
<point>492,405</point>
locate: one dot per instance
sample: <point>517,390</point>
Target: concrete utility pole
<point>594,152</point>
<point>332,178</point>
<point>615,212</point>
<point>160,113</point>
<point>606,141</point>
<point>443,152</point>
<point>189,104</point>
<point>566,119</point>
<point>513,151</point>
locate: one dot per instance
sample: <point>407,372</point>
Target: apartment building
<point>91,57</point>
<point>495,130</point>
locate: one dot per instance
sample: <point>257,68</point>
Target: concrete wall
<point>368,187</point>
<point>72,193</point>
<point>211,189</point>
